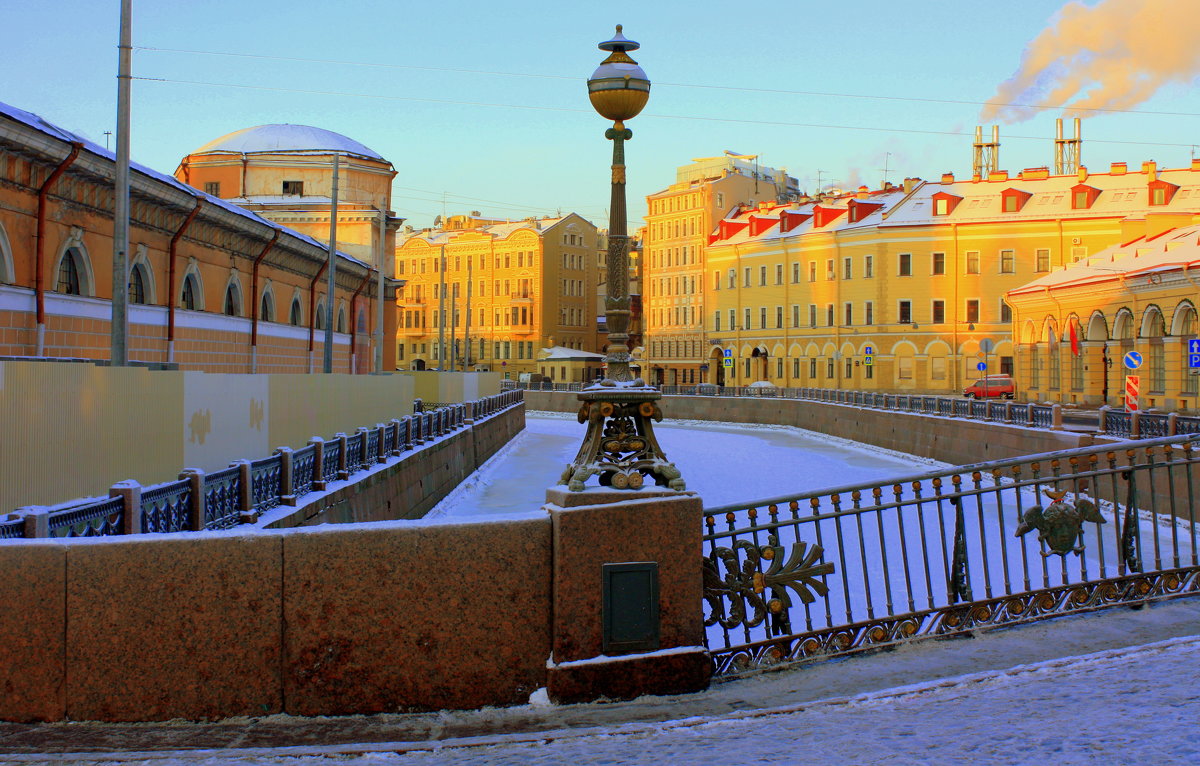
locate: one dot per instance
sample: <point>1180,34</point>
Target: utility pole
<point>453,328</point>
<point>467,323</point>
<point>379,293</point>
<point>442,306</point>
<point>119,328</point>
<point>330,290</point>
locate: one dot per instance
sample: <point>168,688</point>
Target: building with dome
<point>214,285</point>
<point>285,174</point>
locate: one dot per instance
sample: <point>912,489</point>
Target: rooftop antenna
<point>886,156</point>
<point>108,133</point>
<point>1066,150</point>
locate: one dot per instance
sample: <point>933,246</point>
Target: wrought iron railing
<point>819,574</point>
<point>167,507</point>
<point>94,519</point>
<point>171,507</point>
<point>222,498</point>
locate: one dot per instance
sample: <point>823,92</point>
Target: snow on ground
<point>724,463</point>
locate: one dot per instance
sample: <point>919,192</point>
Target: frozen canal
<point>723,463</point>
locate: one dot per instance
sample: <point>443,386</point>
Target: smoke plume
<point>1112,55</point>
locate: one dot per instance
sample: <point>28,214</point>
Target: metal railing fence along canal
<point>247,488</point>
<point>838,571</point>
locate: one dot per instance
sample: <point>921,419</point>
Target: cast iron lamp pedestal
<point>619,445</point>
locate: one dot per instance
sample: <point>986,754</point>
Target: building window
<point>233,301</point>
<point>1007,262</point>
<point>812,315</point>
<point>905,312</point>
<point>1011,204</point>
<point>812,369</point>
<point>847,268</point>
<point>796,273</point>
<point>973,310</point>
<point>716,280</point>
<point>939,312</point>
<point>904,368</point>
<point>849,314</point>
<point>795,315</point>
<point>829,272</point>
<point>716,321</point>
<point>190,290</point>
<point>137,285</point>
<point>294,318</point>
<point>1079,201</point>
<point>972,261</point>
<point>68,273</point>
<point>829,318</point>
<point>1005,312</point>
<point>732,319</point>
<point>812,271</point>
<point>868,266</point>
<point>796,368</point>
<point>870,313</point>
<point>319,320</point>
<point>212,188</point>
<point>266,308</point>
<point>905,265</point>
<point>1042,260</point>
<point>779,317</point>
<point>939,264</point>
<point>746,277</point>
<point>341,320</point>
<point>940,207</point>
<point>779,273</point>
<point>293,188</point>
<point>829,369</point>
<point>746,324</point>
<point>762,276</point>
<point>937,368</point>
<point>1158,196</point>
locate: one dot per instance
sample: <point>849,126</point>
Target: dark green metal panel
<point>631,617</point>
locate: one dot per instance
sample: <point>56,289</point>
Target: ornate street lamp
<point>619,445</point>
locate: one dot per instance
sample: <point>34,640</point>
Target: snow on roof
<point>498,230</point>
<point>287,138</point>
<point>1172,250</point>
<point>43,126</point>
<point>884,199</point>
<point>559,352</point>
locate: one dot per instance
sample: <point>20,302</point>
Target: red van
<point>990,387</point>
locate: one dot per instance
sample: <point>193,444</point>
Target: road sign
<point>1133,360</point>
<point>1132,386</point>
<point>981,366</point>
<point>728,353</point>
<point>868,350</point>
<point>1193,360</point>
<point>726,362</point>
<point>987,346</point>
<point>1194,346</point>
<point>867,360</point>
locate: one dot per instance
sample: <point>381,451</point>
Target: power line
<point>730,120</point>
<point>737,88</point>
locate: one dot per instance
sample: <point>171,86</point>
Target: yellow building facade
<point>285,174</point>
<point>678,223</point>
<point>506,292</point>
<point>1076,327</point>
<point>902,289</point>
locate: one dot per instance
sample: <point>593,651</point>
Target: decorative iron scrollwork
<point>745,582</point>
<point>620,445</point>
<point>1060,524</point>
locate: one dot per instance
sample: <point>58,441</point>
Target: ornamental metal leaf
<point>745,582</point>
<point>1060,524</point>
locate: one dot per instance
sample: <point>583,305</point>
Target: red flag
<point>1074,339</point>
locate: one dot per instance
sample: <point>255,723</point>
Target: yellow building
<point>679,221</point>
<point>903,289</point>
<point>506,290</point>
<point>1076,325</point>
<point>285,174</point>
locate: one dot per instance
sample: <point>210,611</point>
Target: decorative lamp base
<point>620,446</point>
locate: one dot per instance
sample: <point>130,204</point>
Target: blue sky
<point>512,145</point>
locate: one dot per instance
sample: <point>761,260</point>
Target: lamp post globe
<point>619,88</point>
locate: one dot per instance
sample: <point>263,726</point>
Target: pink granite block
<point>383,619</point>
<point>666,530</point>
<point>32,627</point>
<point>174,627</point>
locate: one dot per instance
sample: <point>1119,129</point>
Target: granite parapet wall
<point>957,441</point>
<point>340,619</point>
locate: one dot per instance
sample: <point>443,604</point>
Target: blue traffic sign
<point>868,350</point>
<point>728,352</point>
<point>1194,361</point>
<point>1194,346</point>
<point>1133,360</point>
<point>981,366</point>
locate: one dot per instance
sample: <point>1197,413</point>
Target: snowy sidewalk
<point>1119,685</point>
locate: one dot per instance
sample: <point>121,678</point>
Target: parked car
<point>991,387</point>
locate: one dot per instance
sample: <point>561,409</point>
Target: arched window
<point>233,302</point>
<point>320,320</point>
<point>137,284</point>
<point>68,273</point>
<point>341,320</point>
<point>191,291</point>
<point>266,308</point>
<point>294,316</point>
<point>1185,328</point>
<point>6,264</point>
<point>361,325</point>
